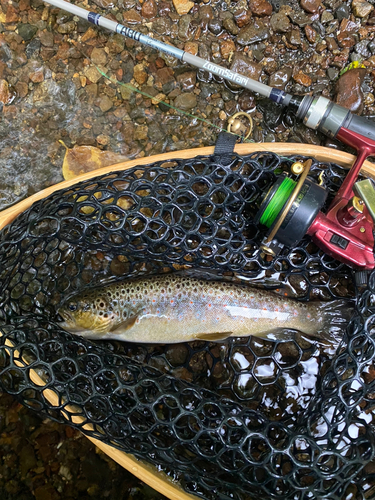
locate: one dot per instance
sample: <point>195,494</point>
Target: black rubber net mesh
<point>246,418</point>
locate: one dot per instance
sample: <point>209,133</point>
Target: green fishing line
<point>277,202</point>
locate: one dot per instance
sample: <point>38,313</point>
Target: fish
<point>171,308</point>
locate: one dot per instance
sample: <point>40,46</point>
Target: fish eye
<point>72,307</point>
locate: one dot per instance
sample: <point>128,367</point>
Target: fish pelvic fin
<point>212,337</point>
<point>121,327</point>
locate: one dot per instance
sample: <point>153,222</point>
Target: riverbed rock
<point>260,7</point>
<point>361,8</point>
<point>280,78</point>
<point>186,101</point>
<point>348,90</point>
<point>310,5</point>
<point>98,56</point>
<point>244,66</point>
<point>254,32</point>
<point>27,31</point>
<point>183,6</point>
<point>149,9</point>
<point>280,22</point>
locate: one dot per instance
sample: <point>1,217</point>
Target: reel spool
<point>289,208</point>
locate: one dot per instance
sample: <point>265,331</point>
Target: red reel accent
<point>351,242</point>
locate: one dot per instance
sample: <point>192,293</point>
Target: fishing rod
<point>346,230</point>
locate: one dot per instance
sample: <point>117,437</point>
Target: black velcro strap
<point>225,144</point>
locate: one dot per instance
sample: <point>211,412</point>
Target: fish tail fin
<point>335,316</point>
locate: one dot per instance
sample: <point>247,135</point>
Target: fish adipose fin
<point>212,337</point>
<point>124,325</point>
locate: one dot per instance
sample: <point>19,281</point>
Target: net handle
<point>288,148</point>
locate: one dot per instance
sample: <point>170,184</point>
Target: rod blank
<point>183,56</point>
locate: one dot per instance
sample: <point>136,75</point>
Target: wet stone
<point>310,33</point>
<point>300,18</point>
<point>27,31</point>
<point>332,73</point>
<point>230,26</point>
<point>280,22</point>
<point>66,28</point>
<point>242,17</point>
<point>105,4</point>
<point>260,7</point>
<point>187,80</point>
<point>105,104</point>
<point>92,74</point>
<point>149,9</point>
<point>294,37</point>
<point>361,8</point>
<point>310,5</point>
<point>22,89</point>
<point>184,26</point>
<point>46,38</point>
<point>246,101</point>
<point>348,90</point>
<point>186,101</point>
<point>302,79</point>
<point>361,48</point>
<point>32,48</point>
<point>6,96</point>
<point>326,17</point>
<point>215,26</point>
<point>242,64</point>
<point>98,56</point>
<point>280,78</point>
<point>183,6</point>
<point>342,12</point>
<point>255,32</point>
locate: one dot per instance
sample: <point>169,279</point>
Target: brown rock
<point>22,89</point>
<point>302,79</point>
<point>191,47</point>
<point>37,76</point>
<point>11,15</point>
<point>227,48</point>
<point>242,64</point>
<point>331,43</point>
<point>186,101</point>
<point>132,17</point>
<point>89,35</point>
<point>105,103</point>
<point>310,5</point>
<point>361,8</point>
<point>24,5</point>
<point>242,17</point>
<point>280,78</point>
<point>348,90</point>
<point>310,34</point>
<point>149,9</point>
<point>98,56</point>
<point>105,4</point>
<point>46,38</point>
<point>187,80</point>
<point>140,74</point>
<point>280,22</point>
<point>164,75</point>
<point>183,6</point>
<point>5,93</point>
<point>346,34</point>
<point>294,37</point>
<point>260,7</point>
<point>92,74</point>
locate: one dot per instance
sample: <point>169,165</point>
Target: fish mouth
<point>66,316</point>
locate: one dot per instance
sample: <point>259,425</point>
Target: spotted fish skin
<point>172,308</point>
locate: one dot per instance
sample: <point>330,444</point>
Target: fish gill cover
<point>288,419</point>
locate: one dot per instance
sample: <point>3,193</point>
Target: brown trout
<point>171,308</point>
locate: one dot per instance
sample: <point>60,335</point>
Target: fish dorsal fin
<point>212,337</point>
<point>124,325</point>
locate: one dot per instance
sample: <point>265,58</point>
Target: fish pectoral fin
<point>124,325</point>
<point>212,337</point>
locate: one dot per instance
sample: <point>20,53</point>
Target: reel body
<point>292,209</point>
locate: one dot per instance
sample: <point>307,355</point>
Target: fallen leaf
<point>82,159</point>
